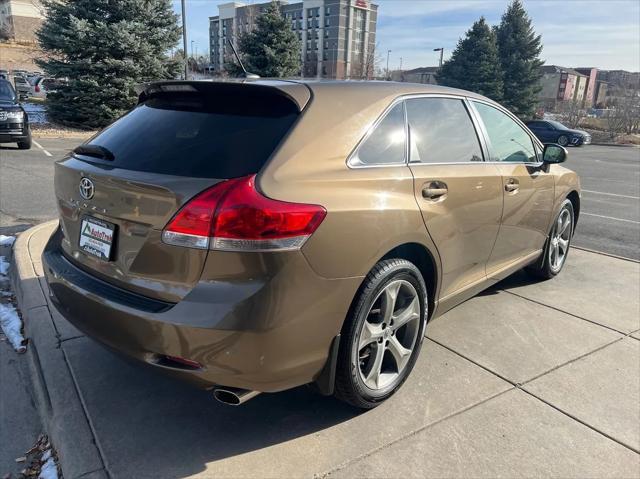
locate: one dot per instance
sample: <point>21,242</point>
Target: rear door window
<point>441,131</point>
<point>209,136</point>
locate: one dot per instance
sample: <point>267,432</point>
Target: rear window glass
<point>207,136</point>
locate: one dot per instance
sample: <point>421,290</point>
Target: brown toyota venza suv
<point>256,236</point>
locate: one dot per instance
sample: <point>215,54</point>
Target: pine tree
<point>474,64</point>
<point>105,48</point>
<point>519,49</point>
<point>272,49</point>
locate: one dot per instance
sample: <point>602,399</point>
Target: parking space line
<point>612,194</point>
<point>40,146</point>
<point>611,218</point>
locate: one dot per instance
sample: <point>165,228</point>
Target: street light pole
<point>184,39</point>
<point>388,53</point>
<point>441,50</point>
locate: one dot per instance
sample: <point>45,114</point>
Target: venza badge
<point>86,188</point>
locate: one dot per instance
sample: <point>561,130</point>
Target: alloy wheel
<point>560,237</point>
<point>389,335</point>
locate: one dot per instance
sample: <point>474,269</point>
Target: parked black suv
<point>14,122</point>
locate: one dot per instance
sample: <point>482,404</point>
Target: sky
<point>575,33</point>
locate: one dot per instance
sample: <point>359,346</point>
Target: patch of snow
<point>11,326</point>
<point>4,266</point>
<point>37,113</point>
<point>6,240</point>
<point>49,469</point>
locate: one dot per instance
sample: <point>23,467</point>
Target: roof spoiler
<point>211,87</point>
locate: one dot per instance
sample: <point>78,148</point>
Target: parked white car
<point>43,86</point>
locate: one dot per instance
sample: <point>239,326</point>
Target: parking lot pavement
<point>26,181</point>
<point>610,212</point>
<point>527,379</point>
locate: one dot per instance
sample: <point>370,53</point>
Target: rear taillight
<point>37,89</point>
<point>234,216</point>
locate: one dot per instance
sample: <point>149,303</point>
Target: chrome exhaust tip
<point>234,396</point>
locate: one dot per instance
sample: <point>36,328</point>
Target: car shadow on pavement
<point>139,415</point>
<point>517,279</point>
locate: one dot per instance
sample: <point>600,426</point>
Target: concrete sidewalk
<point>527,379</point>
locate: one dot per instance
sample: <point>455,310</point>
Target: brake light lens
<point>37,88</point>
<point>234,216</point>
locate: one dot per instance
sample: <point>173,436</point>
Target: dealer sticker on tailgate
<point>96,237</point>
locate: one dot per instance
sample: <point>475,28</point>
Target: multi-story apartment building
<point>561,84</point>
<point>20,19</point>
<point>337,37</point>
<point>596,93</point>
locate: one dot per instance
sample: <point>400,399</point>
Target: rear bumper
<point>271,350</point>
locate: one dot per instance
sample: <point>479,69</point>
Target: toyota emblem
<point>86,188</point>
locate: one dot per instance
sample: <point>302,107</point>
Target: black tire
<point>349,386</point>
<point>25,145</point>
<point>563,140</point>
<point>543,267</point>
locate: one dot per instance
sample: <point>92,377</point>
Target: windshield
<point>557,125</point>
<point>6,91</point>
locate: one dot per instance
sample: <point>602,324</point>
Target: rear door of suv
<point>117,192</point>
<point>459,194</point>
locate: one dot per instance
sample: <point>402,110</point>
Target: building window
<point>308,56</point>
<point>317,35</point>
<point>325,55</point>
<point>326,34</point>
<point>326,45</point>
<point>327,21</point>
<point>327,11</point>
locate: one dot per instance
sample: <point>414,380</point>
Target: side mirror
<point>554,154</point>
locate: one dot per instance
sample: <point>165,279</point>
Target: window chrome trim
<point>477,124</point>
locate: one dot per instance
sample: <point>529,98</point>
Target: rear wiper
<point>96,151</point>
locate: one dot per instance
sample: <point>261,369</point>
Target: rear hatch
<point>117,192</point>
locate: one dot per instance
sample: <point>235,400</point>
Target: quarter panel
<point>566,181</point>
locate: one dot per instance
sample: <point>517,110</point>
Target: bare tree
<point>371,61</point>
<point>624,117</point>
<point>571,112</point>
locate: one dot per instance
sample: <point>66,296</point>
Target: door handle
<point>512,185</point>
<point>434,190</point>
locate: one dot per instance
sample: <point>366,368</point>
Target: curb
<point>611,255</point>
<point>58,401</point>
<point>617,145</point>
